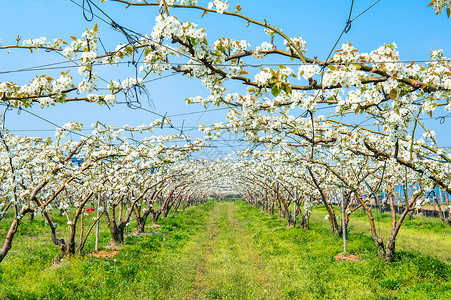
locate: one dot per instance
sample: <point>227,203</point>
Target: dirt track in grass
<point>230,265</point>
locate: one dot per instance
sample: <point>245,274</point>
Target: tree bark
<point>141,221</point>
<point>330,210</point>
<point>10,235</point>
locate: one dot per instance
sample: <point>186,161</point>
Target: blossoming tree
<point>280,108</point>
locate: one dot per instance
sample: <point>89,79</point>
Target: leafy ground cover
<point>229,250</point>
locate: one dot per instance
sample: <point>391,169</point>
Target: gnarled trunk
<point>154,215</point>
<point>271,209</point>
<point>141,221</point>
<point>390,249</point>
<point>117,232</point>
<point>305,221</point>
<point>116,227</point>
<point>164,213</point>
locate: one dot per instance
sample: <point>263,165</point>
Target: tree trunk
<point>271,209</point>
<point>389,249</point>
<point>330,210</point>
<point>290,219</point>
<point>71,246</point>
<point>305,222</point>
<point>154,215</point>
<point>446,220</point>
<point>141,224</point>
<point>9,239</point>
<point>380,247</point>
<point>164,213</point>
<point>142,221</point>
<point>11,232</point>
<point>336,229</point>
<point>117,232</point>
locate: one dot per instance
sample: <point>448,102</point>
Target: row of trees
<point>127,178</point>
<point>309,124</point>
<point>276,181</point>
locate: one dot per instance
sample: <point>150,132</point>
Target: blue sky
<point>411,24</point>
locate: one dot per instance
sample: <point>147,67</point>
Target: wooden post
<point>294,213</point>
<point>343,217</point>
<point>98,223</point>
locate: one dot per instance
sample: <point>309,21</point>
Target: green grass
<point>425,235</point>
<point>304,262</point>
<point>147,267</point>
<point>229,250</point>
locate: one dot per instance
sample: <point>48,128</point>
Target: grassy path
<point>244,254</point>
<point>230,264</point>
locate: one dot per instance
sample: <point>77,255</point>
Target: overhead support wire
<point>347,27</point>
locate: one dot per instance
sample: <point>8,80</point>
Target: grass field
<point>421,234</point>
<point>229,250</point>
